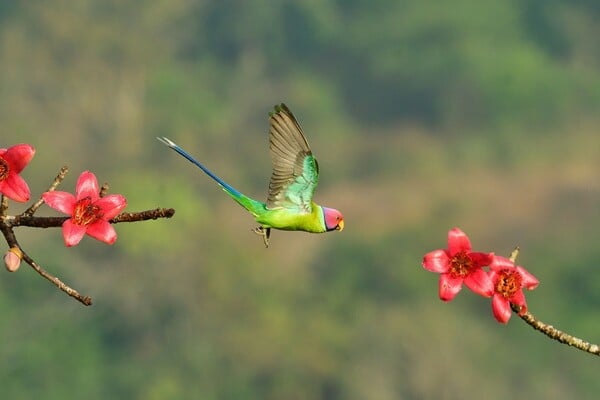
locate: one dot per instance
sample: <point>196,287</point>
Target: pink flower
<point>509,281</point>
<point>89,212</point>
<point>459,264</point>
<point>12,162</point>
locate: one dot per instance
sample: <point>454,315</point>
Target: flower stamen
<point>86,212</point>
<point>508,283</point>
<point>4,169</point>
<point>460,265</point>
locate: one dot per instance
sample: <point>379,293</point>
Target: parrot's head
<point>334,220</point>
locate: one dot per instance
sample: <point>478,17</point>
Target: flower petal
<point>72,233</point>
<point>499,263</point>
<point>15,188</point>
<point>449,287</point>
<point>103,231</point>
<point>479,282</point>
<point>519,299</point>
<point>501,308</point>
<point>458,241</point>
<point>61,201</point>
<point>111,205</point>
<point>493,275</point>
<point>436,261</point>
<point>12,259</point>
<point>529,281</point>
<point>87,186</point>
<point>481,259</point>
<point>18,156</point>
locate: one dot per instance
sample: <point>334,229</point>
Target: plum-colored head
<point>334,220</point>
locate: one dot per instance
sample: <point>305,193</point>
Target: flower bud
<point>12,259</point>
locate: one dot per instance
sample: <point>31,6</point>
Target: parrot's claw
<point>264,232</point>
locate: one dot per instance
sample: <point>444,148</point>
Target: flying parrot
<point>289,204</point>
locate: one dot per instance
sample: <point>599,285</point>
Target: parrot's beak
<point>340,226</point>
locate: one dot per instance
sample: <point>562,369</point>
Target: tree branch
<point>549,330</point>
<point>59,178</point>
<point>27,218</point>
<point>557,334</point>
<point>54,222</point>
<point>11,240</point>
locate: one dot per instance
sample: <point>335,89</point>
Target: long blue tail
<point>228,188</point>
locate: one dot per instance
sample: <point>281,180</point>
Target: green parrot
<point>294,178</point>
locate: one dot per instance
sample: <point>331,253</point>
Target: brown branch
<point>86,300</point>
<point>27,218</point>
<point>144,215</point>
<point>11,240</point>
<point>104,189</point>
<point>54,222</point>
<point>59,178</point>
<point>549,330</point>
<point>37,222</point>
<point>9,235</point>
<point>557,334</point>
<point>3,205</point>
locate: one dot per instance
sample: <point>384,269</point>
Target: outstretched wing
<point>295,170</point>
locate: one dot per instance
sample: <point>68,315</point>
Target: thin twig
<point>549,330</point>
<point>104,189</point>
<point>514,254</point>
<point>11,240</point>
<point>54,222</point>
<point>59,178</point>
<point>86,300</point>
<point>8,222</point>
<point>36,222</point>
<point>27,218</point>
<point>3,205</point>
<point>557,334</point>
<point>144,215</point>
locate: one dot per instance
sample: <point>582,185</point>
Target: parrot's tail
<point>255,207</point>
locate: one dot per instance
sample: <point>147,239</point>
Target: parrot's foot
<point>264,232</point>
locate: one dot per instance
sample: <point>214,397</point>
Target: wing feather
<point>295,170</point>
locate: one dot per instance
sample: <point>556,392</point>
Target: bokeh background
<point>424,115</point>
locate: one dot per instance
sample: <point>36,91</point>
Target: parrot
<point>295,174</point>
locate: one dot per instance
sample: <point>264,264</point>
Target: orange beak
<point>340,226</point>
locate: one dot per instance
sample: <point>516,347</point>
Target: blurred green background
<point>424,115</point>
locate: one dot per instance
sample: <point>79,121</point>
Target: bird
<point>289,205</point>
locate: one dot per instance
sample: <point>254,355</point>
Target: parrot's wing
<point>295,170</point>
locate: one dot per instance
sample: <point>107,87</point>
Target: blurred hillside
<point>424,115</point>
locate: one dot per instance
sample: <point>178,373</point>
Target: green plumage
<point>295,175</point>
<point>293,181</point>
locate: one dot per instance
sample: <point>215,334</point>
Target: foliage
<point>424,115</point>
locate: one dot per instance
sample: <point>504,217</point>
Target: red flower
<point>459,264</point>
<point>12,162</point>
<point>89,212</point>
<point>509,281</point>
